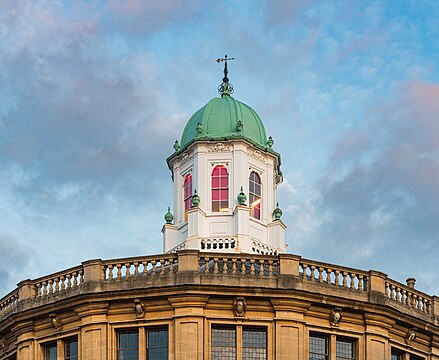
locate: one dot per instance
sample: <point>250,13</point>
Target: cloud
<point>380,192</point>
<point>13,260</point>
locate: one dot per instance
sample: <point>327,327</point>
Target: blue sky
<point>93,95</point>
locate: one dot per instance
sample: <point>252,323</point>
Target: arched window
<point>255,195</point>
<point>187,194</point>
<point>220,189</point>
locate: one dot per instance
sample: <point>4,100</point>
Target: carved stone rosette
<point>239,306</point>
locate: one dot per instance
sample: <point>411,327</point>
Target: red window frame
<point>220,189</point>
<point>255,195</point>
<point>187,198</point>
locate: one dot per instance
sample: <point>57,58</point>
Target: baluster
<point>415,301</point>
<point>337,277</point>
<point>81,276</point>
<point>127,269</point>
<point>171,265</point>
<point>420,303</point>
<point>69,281</point>
<point>360,282</point>
<point>392,292</point>
<point>352,280</point>
<point>234,266</point>
<point>206,265</point>
<point>345,278</point>
<point>261,267</point>
<point>56,285</point>
<point>243,266</point>
<point>225,269</point>
<point>62,278</point>
<point>38,289</point>
<point>305,271</point>
<point>404,297</point>
<point>320,274</point>
<point>162,264</point>
<point>136,268</point>
<point>252,266</point>
<point>110,272</point>
<point>270,267</point>
<point>154,267</point>
<point>398,294</point>
<point>426,306</point>
<point>215,265</point>
<point>313,272</point>
<point>145,268</point>
<point>75,278</point>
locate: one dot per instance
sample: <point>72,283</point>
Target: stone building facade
<point>224,286</point>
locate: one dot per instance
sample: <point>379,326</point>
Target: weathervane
<point>225,89</point>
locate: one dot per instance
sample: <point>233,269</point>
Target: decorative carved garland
<point>219,147</point>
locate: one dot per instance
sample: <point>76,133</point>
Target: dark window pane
<point>345,349</point>
<point>50,352</point>
<point>254,343</point>
<point>157,344</point>
<point>318,347</point>
<point>128,345</point>
<point>71,349</point>
<point>223,344</point>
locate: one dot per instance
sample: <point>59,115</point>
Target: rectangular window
<point>396,355</point>
<point>254,343</point>
<point>345,349</point>
<point>318,347</point>
<point>128,345</point>
<point>157,344</point>
<point>223,343</point>
<point>71,349</point>
<point>50,352</point>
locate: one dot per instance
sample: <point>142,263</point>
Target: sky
<point>93,95</point>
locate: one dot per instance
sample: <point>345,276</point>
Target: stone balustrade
<point>249,265</point>
<point>408,296</point>
<point>141,266</point>
<point>263,249</point>
<point>329,274</point>
<point>186,267</point>
<point>218,244</point>
<point>59,282</point>
<point>8,302</point>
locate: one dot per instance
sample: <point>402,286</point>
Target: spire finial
<point>225,89</point>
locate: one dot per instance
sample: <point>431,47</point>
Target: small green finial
<point>242,197</point>
<point>195,199</point>
<point>225,89</point>
<point>277,213</point>
<point>168,216</point>
<point>270,142</point>
<point>199,128</point>
<point>240,126</point>
<point>177,146</point>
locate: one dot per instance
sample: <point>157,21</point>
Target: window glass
<point>50,352</point>
<point>220,189</point>
<point>318,347</point>
<point>346,349</point>
<point>223,343</point>
<point>128,345</point>
<point>187,192</point>
<point>71,349</point>
<point>157,344</point>
<point>255,195</point>
<point>254,343</point>
<point>396,355</point>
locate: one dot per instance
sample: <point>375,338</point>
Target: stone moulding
<point>282,272</point>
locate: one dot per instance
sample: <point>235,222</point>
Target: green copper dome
<point>225,118</point>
